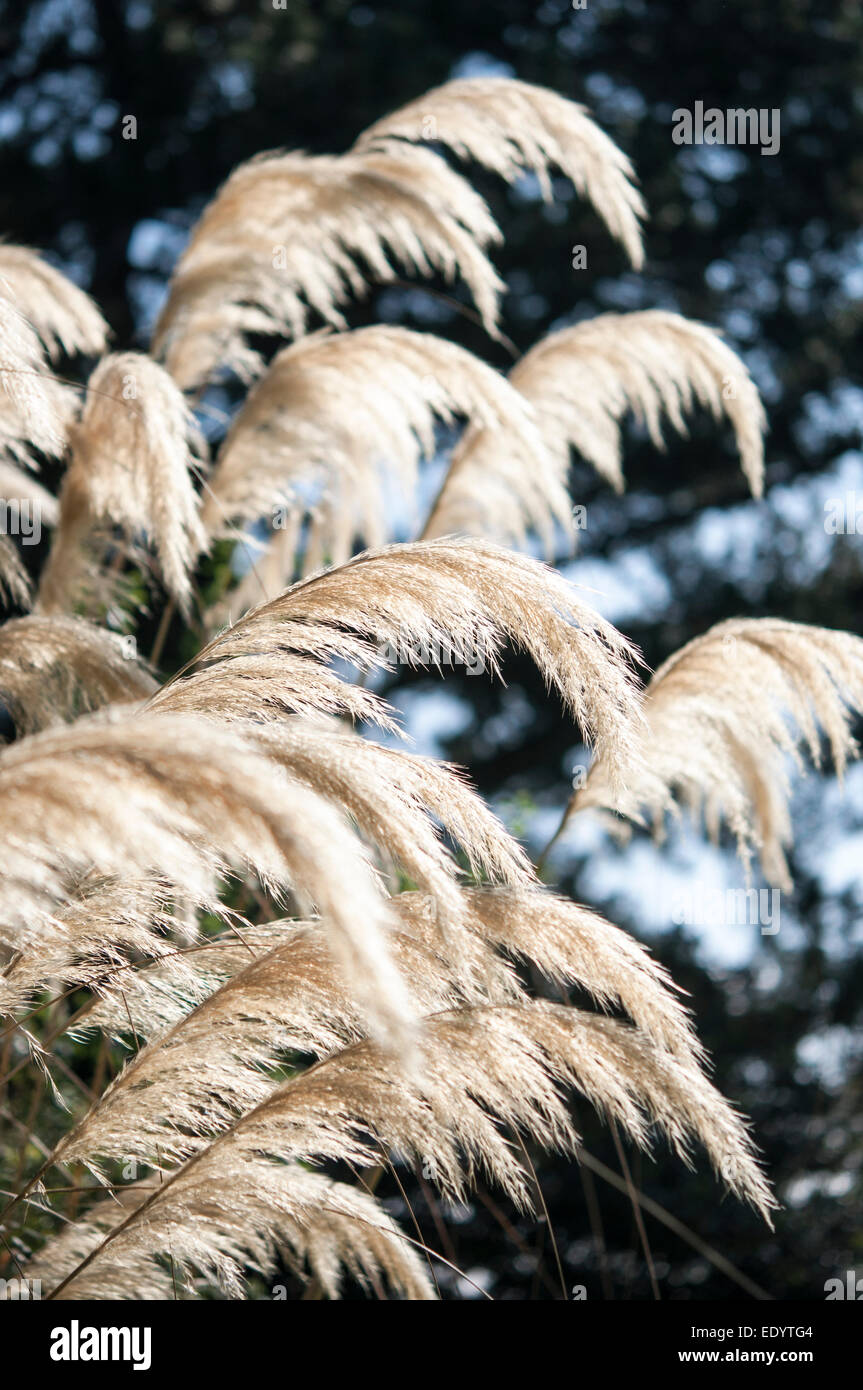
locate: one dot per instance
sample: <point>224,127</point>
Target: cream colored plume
<point>499,490</point>
<point>725,713</point>
<point>35,410</point>
<point>177,797</point>
<point>582,382</point>
<point>487,1069</point>
<point>572,945</point>
<point>65,318</point>
<point>154,997</point>
<point>54,668</point>
<point>97,939</point>
<point>337,419</point>
<point>386,1016</point>
<point>15,583</point>
<point>216,1061</point>
<point>434,603</point>
<point>292,233</point>
<point>259,1216</point>
<point>133,456</point>
<point>272,989</point>
<point>488,1066</point>
<point>512,127</point>
<point>393,795</point>
<point>286,677</point>
<point>569,944</point>
<point>396,799</point>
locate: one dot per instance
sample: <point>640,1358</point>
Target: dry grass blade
<point>724,714</point>
<point>133,455</point>
<point>293,233</point>
<point>582,382</point>
<point>438,601</point>
<point>513,127</point>
<point>315,431</point>
<point>65,318</point>
<point>54,668</point>
<point>175,796</point>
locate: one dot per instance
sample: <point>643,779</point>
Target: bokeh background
<point>769,249</point>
